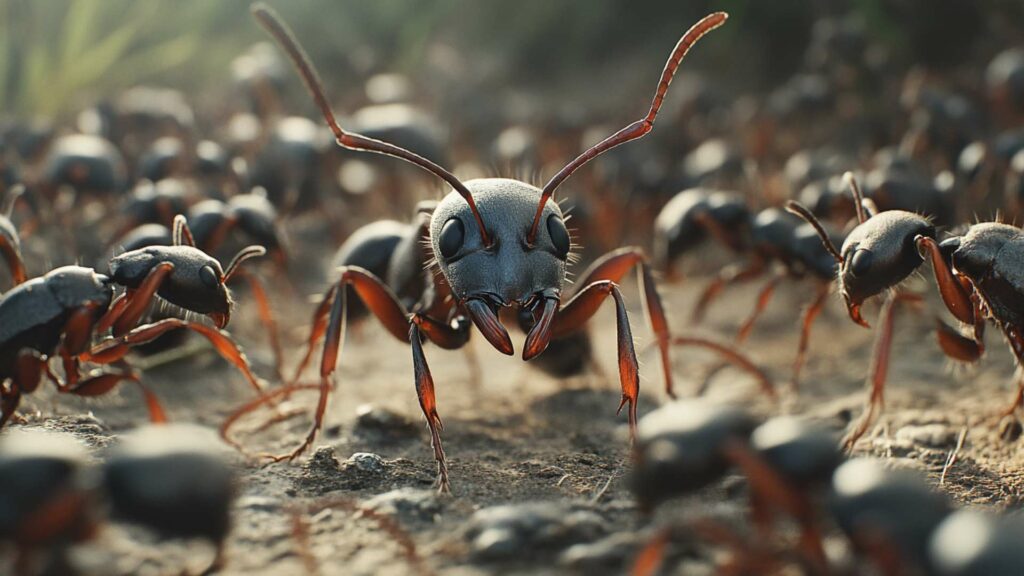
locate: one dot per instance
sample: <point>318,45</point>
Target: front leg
<point>579,310</point>
<point>879,367</point>
<point>425,393</point>
<point>613,267</point>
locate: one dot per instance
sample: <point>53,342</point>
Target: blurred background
<point>59,55</point>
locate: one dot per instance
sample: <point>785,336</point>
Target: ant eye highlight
<point>452,236</point>
<point>559,236</point>
<point>209,277</point>
<point>860,264</point>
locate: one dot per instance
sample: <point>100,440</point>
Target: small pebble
<point>929,435</point>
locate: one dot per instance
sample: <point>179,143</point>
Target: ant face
<point>878,254</point>
<point>508,272</point>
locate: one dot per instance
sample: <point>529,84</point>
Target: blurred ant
<point>165,478</point>
<point>499,250</point>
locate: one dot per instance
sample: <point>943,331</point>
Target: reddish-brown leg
<point>12,256</point>
<point>316,331</point>
<point>382,303</point>
<point>113,349</point>
<point>29,367</point>
<point>734,274</point>
<point>578,311</point>
<point>771,489</point>
<point>763,298</point>
<point>266,314</point>
<point>731,356</point>
<point>1016,340</point>
<point>614,266</point>
<point>125,315</point>
<point>428,403</point>
<point>955,345</point>
<point>279,393</point>
<point>650,558</point>
<point>879,368</point>
<point>806,321</point>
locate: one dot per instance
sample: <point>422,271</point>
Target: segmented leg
<point>614,266</point>
<point>113,349</point>
<point>579,310</point>
<point>728,276</point>
<point>763,298</point>
<point>266,314</point>
<point>1016,340</point>
<point>428,403</point>
<point>732,357</point>
<point>806,322</point>
<point>330,321</point>
<point>879,368</point>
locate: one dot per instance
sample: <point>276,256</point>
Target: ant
<point>167,478</point>
<point>977,274</point>
<point>501,246</point>
<point>686,446</point>
<point>56,315</point>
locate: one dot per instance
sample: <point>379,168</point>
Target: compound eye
<point>860,264</point>
<point>559,236</point>
<point>452,235</point>
<point>209,276</point>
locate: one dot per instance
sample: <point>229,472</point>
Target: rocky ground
<point>539,467</point>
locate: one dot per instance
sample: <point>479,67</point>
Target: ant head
<point>879,253</point>
<point>197,281</point>
<point>509,271</point>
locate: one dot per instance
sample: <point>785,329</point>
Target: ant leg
<point>733,274</point>
<point>113,349</point>
<point>956,345</point>
<point>29,367</point>
<point>768,488</point>
<point>763,298</point>
<point>1016,340</point>
<point>124,315</point>
<point>425,393</point>
<point>266,314</point>
<point>879,368</point>
<point>651,556</point>
<point>732,357</point>
<point>317,330</point>
<point>9,401</point>
<point>100,384</point>
<point>579,310</point>
<point>613,266</point>
<point>382,302</point>
<point>12,255</point>
<point>806,321</point>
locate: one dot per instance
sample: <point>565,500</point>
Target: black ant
<point>978,276</point>
<point>501,246</point>
<point>57,315</point>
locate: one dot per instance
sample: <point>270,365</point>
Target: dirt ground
<point>519,437</point>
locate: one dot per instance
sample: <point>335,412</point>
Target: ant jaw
<point>854,309</point>
<point>220,319</point>
<point>487,322</point>
<point>540,336</point>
